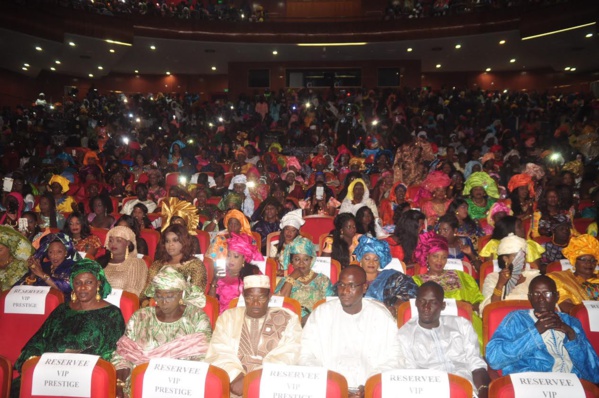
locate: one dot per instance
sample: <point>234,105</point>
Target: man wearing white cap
<point>246,337</point>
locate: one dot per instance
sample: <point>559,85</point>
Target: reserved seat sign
<point>291,381</point>
<point>546,385</point>
<point>174,378</point>
<point>415,383</point>
<point>64,375</point>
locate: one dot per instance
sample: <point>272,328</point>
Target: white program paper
<point>281,380</point>
<point>114,297</point>
<point>593,310</point>
<point>565,264</point>
<point>415,383</point>
<point>454,264</point>
<point>174,378</point>
<point>322,265</point>
<point>546,384</point>
<point>64,375</point>
<point>451,308</point>
<point>26,300</point>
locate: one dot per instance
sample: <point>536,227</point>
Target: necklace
<point>304,279</point>
<point>558,244</point>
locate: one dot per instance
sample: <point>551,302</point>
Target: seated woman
<point>33,231</point>
<point>432,252</point>
<point>61,254</point>
<point>404,240</point>
<point>155,185</point>
<point>482,192</point>
<point>236,223</point>
<point>268,220</point>
<point>466,225</point>
<point>240,252</point>
<point>124,269</point>
<point>205,209</point>
<point>358,195</point>
<point>505,226</point>
<point>303,284</point>
<point>15,249</point>
<point>388,286</point>
<point>342,241</point>
<point>49,217</point>
<point>522,195</point>
<point>101,217</point>
<point>365,223</point>
<point>175,250</point>
<point>497,212</point>
<point>77,227</point>
<point>432,196</point>
<point>176,328</point>
<point>59,186</point>
<point>14,205</point>
<point>549,214</point>
<point>582,283</point>
<point>140,213</point>
<point>460,247</point>
<point>132,223</point>
<point>290,230</point>
<point>86,325</point>
<point>561,234</point>
<point>397,196</point>
<point>500,286</point>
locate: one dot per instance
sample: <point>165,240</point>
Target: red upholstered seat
<point>5,376</point>
<point>494,313</point>
<point>103,379</point>
<point>100,233</point>
<point>152,238</point>
<point>216,385</point>
<point>336,385</point>
<point>404,311</point>
<point>458,387</point>
<point>17,329</point>
<point>204,240</point>
<point>129,304</point>
<point>318,225</point>
<point>580,312</point>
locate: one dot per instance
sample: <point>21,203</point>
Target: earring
<point>181,302</point>
<point>111,255</point>
<point>73,297</point>
<point>127,251</point>
<point>456,213</point>
<point>98,297</point>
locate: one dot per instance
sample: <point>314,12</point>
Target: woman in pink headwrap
<point>432,251</point>
<point>496,213</point>
<point>228,284</point>
<point>14,205</point>
<point>433,196</point>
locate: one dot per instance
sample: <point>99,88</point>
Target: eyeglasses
<point>588,260</point>
<point>537,295</point>
<point>350,286</point>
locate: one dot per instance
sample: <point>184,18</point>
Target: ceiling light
<point>567,68</point>
<point>409,49</point>
<point>26,65</point>
<point>589,35</point>
<point>168,73</point>
<point>559,31</point>
<point>213,68</point>
<point>512,60</point>
<point>438,66</point>
<point>152,47</point>
<point>24,68</point>
<point>458,46</point>
<point>331,44</point>
<point>572,69</point>
<point>38,48</point>
<point>120,43</point>
<point>57,62</point>
<point>91,75</point>
<point>111,50</point>
<point>136,71</point>
<point>502,42</point>
<point>275,52</point>
<point>52,68</point>
<point>488,70</point>
<point>100,67</point>
<point>71,44</point>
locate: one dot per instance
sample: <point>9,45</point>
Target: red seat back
<point>494,313</point>
<point>100,233</point>
<point>404,312</point>
<point>317,226</point>
<point>129,304</point>
<point>152,238</point>
<point>5,376</point>
<point>204,240</point>
<point>581,224</point>
<point>336,385</point>
<point>216,385</point>
<point>170,180</point>
<point>17,329</point>
<point>580,312</point>
<point>103,379</point>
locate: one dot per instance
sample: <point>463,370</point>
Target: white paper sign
<point>291,381</point>
<point>261,265</point>
<point>593,310</point>
<point>565,264</point>
<point>322,265</point>
<point>26,300</point>
<point>64,375</point>
<point>451,308</point>
<point>198,256</point>
<point>275,301</point>
<point>454,264</point>
<point>174,378</point>
<point>114,297</point>
<point>7,184</point>
<point>546,384</point>
<point>395,264</point>
<point>415,383</point>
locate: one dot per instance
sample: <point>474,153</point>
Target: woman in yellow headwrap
<point>582,283</point>
<point>59,186</point>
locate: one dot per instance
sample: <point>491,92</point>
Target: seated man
<point>541,339</point>
<point>446,343</point>
<point>352,336</point>
<point>246,337</point>
<point>141,190</point>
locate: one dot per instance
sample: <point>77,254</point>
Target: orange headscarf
<point>239,216</point>
<point>522,180</point>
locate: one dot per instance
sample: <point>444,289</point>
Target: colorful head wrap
<point>90,155</point>
<point>124,233</point>
<point>175,207</point>
<point>429,243</point>
<point>385,152</point>
<point>575,167</point>
<point>436,179</point>
<point>275,145</point>
<point>481,179</point>
<point>486,157</point>
<point>20,206</point>
<point>61,237</point>
<point>90,266</point>
<point>179,143</point>
<point>580,246</point>
<point>18,245</point>
<point>293,218</point>
<point>511,153</point>
<point>342,150</point>
<point>511,244</point>
<point>392,194</point>
<point>300,245</point>
<point>232,198</point>
<point>350,190</point>
<point>534,170</point>
<point>469,166</point>
<point>498,207</point>
<point>64,183</point>
<point>357,161</point>
<point>65,156</point>
<point>522,180</point>
<point>239,216</point>
<point>242,244</point>
<point>293,162</point>
<point>169,278</point>
<point>366,245</point>
<point>319,160</point>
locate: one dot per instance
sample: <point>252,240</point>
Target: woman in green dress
<point>85,325</point>
<point>483,193</point>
